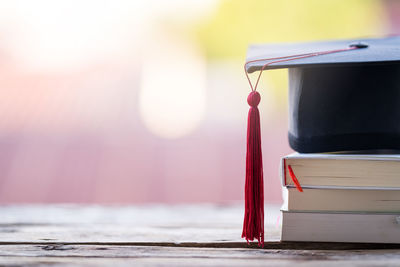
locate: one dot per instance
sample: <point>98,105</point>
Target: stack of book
<point>341,198</point>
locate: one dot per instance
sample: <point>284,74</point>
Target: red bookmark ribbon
<point>294,179</point>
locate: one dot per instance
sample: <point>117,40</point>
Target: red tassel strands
<point>253,225</point>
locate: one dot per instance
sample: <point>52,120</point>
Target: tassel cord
<point>288,58</point>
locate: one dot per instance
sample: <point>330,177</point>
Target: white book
<point>347,200</point>
<point>341,227</point>
<point>342,171</point>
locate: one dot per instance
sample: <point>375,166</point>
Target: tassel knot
<point>254,99</point>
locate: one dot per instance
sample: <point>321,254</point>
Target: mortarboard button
<point>359,45</point>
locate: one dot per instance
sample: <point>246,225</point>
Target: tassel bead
<point>254,99</point>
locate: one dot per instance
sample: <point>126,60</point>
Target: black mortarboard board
<point>341,101</point>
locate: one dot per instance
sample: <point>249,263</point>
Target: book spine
<point>283,172</point>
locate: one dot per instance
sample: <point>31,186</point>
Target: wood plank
<point>122,262</point>
<point>158,235</point>
<point>89,254</point>
<point>149,223</point>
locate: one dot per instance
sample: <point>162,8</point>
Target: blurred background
<point>145,101</point>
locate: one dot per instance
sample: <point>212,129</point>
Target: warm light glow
<point>51,35</point>
<point>172,96</point>
<point>48,36</point>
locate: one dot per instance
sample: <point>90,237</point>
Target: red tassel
<point>253,225</point>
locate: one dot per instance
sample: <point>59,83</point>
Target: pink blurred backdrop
<point>101,102</point>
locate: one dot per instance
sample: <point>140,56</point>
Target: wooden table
<point>161,235</point>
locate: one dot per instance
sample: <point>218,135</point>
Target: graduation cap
<point>343,96</point>
<point>340,101</point>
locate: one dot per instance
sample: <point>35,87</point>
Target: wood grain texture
<point>155,223</point>
<point>87,255</point>
<point>195,235</point>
